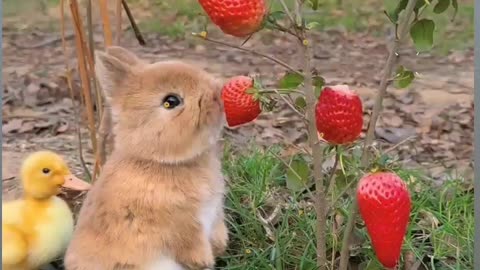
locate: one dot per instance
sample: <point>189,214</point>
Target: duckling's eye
<point>171,101</point>
<point>45,170</point>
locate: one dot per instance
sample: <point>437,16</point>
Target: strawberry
<point>238,18</point>
<point>339,115</point>
<point>384,204</point>
<point>240,106</point>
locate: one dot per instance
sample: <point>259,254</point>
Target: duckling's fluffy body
<point>38,227</point>
<point>45,226</point>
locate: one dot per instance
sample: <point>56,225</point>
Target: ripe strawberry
<point>240,106</point>
<point>339,115</point>
<point>238,18</point>
<point>384,204</point>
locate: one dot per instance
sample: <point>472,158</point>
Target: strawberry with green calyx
<point>239,18</point>
<point>241,99</point>
<point>339,115</point>
<point>384,204</point>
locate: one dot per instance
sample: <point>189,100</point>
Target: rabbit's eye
<point>171,101</point>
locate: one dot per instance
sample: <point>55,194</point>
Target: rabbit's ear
<point>124,55</point>
<point>111,72</point>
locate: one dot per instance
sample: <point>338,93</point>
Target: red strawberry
<point>238,18</point>
<point>339,115</point>
<point>240,106</point>
<point>384,204</point>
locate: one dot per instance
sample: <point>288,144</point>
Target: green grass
<point>440,234</point>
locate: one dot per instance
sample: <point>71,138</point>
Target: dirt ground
<point>428,125</point>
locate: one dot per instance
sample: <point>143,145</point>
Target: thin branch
<point>269,57</point>
<point>107,30</point>
<point>118,22</point>
<point>287,11</point>
<point>317,148</point>
<point>377,108</point>
<point>72,96</point>
<point>134,25</point>
<point>90,28</point>
<point>331,178</point>
<point>289,104</point>
<point>82,66</point>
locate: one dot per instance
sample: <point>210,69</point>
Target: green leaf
<point>290,81</point>
<point>403,77</point>
<point>314,4</point>
<point>441,6</point>
<point>300,102</point>
<point>318,82</point>
<point>297,174</point>
<point>419,5</point>
<point>312,25</point>
<point>422,34</point>
<point>276,15</point>
<point>455,6</point>
<point>393,11</point>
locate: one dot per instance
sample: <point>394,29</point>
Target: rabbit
<point>159,201</point>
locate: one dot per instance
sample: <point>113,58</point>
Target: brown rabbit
<point>158,203</point>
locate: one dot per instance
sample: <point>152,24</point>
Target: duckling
<point>38,227</point>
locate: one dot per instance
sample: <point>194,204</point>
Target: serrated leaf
<point>422,34</point>
<point>441,6</point>
<point>403,77</point>
<point>290,81</point>
<point>297,174</point>
<point>300,102</point>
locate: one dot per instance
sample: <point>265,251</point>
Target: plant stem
<point>377,108</point>
<point>118,22</point>
<point>317,148</point>
<point>72,96</point>
<point>331,178</point>
<point>269,57</point>
<point>134,25</point>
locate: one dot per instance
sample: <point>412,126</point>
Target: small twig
<point>118,22</point>
<point>107,31</point>
<point>287,11</point>
<point>72,97</point>
<point>331,177</point>
<point>44,43</point>
<point>377,108</point>
<point>134,25</point>
<point>269,57</point>
<point>290,104</point>
<point>393,147</point>
<point>91,43</point>
<point>287,91</point>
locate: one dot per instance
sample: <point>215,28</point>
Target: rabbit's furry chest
<point>149,200</point>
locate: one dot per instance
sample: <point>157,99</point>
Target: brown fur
<point>163,170</point>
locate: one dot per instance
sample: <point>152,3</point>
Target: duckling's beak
<point>74,183</point>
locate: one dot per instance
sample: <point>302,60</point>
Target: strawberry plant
<point>333,115</point>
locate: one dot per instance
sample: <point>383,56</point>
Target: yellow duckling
<point>37,228</point>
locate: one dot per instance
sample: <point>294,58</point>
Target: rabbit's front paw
<point>199,257</point>
<point>219,238</point>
